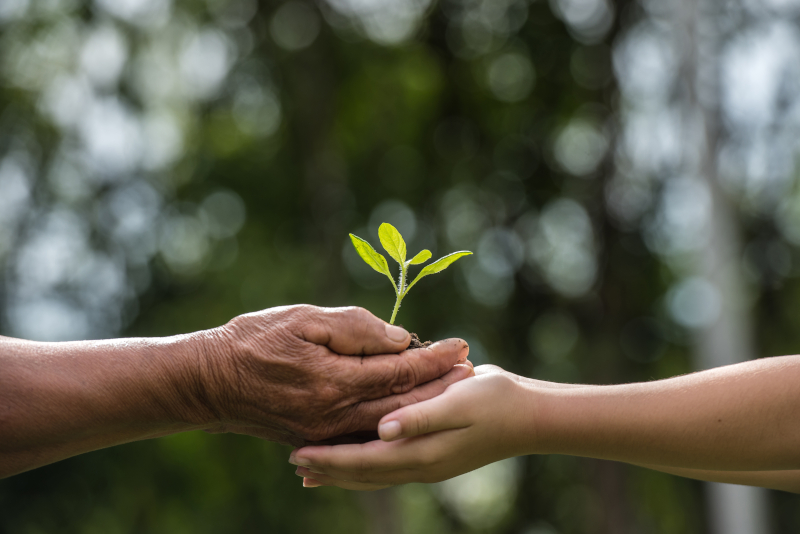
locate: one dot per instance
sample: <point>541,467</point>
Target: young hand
<point>475,422</point>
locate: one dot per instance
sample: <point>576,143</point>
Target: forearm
<point>741,417</point>
<point>62,399</point>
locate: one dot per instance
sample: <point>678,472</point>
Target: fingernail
<point>305,472</point>
<point>396,333</point>
<point>296,460</point>
<point>311,483</point>
<point>389,430</point>
<point>462,356</point>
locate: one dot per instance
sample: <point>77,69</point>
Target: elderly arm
<point>61,399</point>
<point>295,375</point>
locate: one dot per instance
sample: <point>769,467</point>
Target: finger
<point>373,463</point>
<point>351,331</point>
<point>313,480</point>
<point>384,479</point>
<point>378,376</point>
<point>439,413</point>
<point>311,483</point>
<point>369,459</point>
<point>364,458</point>
<point>360,436</point>
<point>365,416</point>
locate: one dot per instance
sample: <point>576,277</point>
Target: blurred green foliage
<point>417,123</point>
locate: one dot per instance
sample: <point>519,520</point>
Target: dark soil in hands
<point>417,344</point>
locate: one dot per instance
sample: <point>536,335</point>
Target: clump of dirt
<point>417,344</point>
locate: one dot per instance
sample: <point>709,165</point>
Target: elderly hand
<point>302,373</point>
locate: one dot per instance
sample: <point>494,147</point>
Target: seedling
<point>394,244</point>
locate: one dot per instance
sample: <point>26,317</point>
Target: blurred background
<point>625,171</point>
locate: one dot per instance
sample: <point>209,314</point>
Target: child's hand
<point>476,421</point>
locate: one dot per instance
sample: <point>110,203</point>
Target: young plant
<point>394,244</point>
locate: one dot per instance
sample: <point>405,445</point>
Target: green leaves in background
<point>372,257</point>
<point>393,242</point>
<point>439,265</point>
<point>422,257</point>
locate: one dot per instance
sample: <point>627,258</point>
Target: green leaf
<point>393,242</point>
<point>372,257</point>
<point>439,265</point>
<point>422,257</point>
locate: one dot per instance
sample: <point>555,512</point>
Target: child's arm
<point>743,417</point>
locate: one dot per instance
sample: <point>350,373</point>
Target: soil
<point>417,344</point>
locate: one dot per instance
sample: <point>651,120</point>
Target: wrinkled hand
<point>302,374</point>
<point>475,422</point>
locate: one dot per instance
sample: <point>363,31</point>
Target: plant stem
<point>396,307</point>
<point>400,292</point>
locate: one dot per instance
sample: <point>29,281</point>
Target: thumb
<point>439,413</point>
<point>352,331</point>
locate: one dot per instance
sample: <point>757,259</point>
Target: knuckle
<point>488,368</point>
<point>355,315</point>
<point>354,311</point>
<point>363,320</point>
<point>499,381</point>
<point>345,313</point>
<point>356,318</point>
<point>423,423</point>
<point>238,324</point>
<point>362,315</point>
<point>330,395</point>
<point>282,313</point>
<point>405,377</point>
<point>427,458</point>
<point>301,312</point>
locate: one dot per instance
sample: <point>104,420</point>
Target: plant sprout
<point>394,244</point>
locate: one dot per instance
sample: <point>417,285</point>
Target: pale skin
<point>738,424</point>
<point>296,374</point>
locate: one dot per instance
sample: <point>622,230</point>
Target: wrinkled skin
<point>303,374</point>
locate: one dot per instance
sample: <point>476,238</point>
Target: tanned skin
<point>295,375</point>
